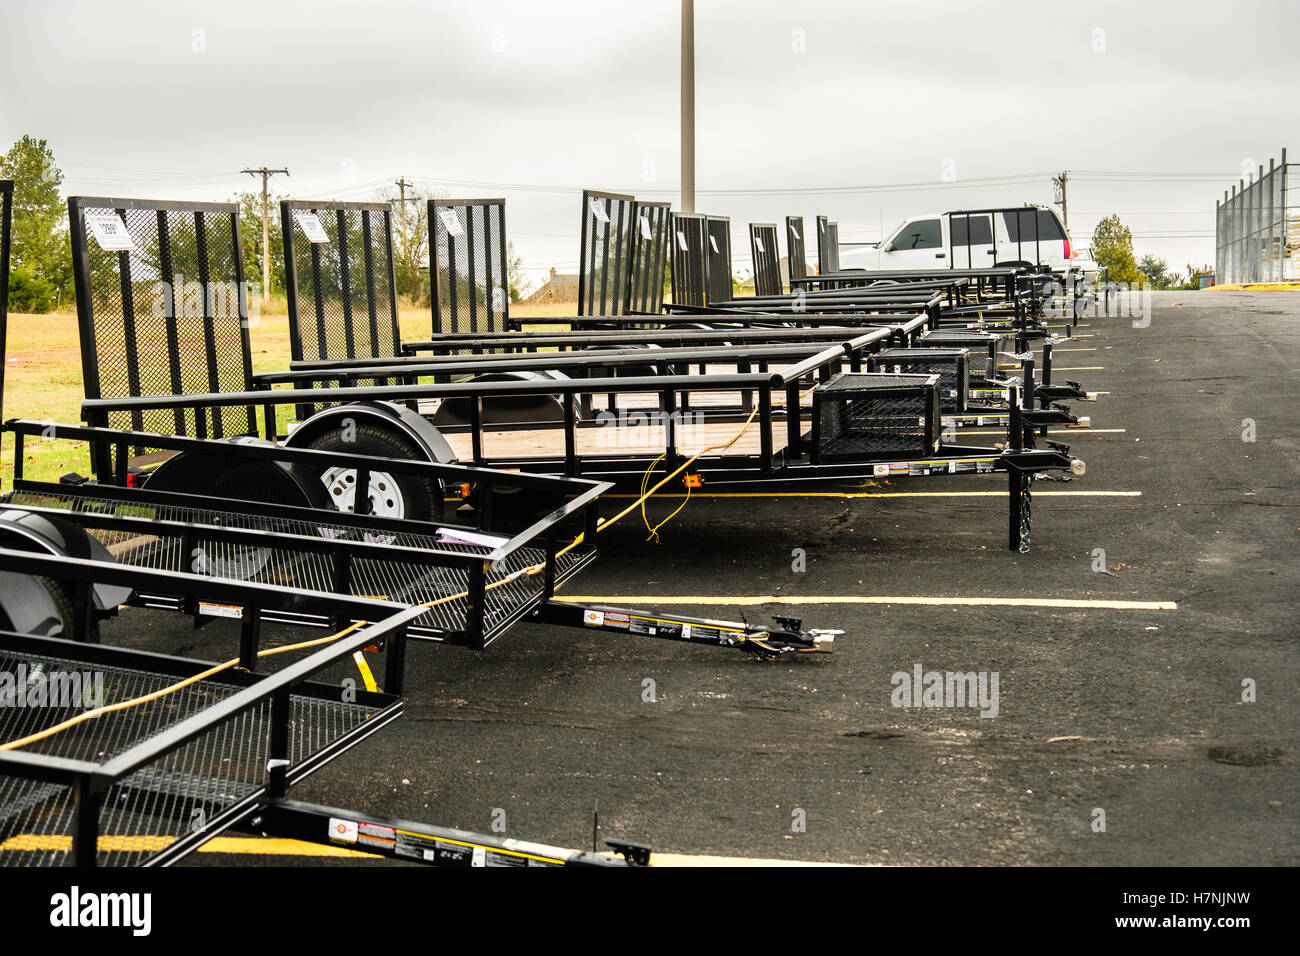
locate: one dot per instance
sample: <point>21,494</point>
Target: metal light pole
<point>688,105</point>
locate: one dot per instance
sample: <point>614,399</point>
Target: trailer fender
<point>25,531</point>
<point>398,419</point>
<point>214,475</point>
<point>27,607</point>
<point>382,430</point>
<point>507,409</point>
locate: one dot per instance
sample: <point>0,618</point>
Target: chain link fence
<point>1257,227</point>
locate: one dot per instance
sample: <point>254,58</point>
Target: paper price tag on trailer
<point>109,231</point>
<point>311,227</point>
<point>598,209</point>
<point>645,227</point>
<point>452,222</point>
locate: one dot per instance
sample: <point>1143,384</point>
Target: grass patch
<point>43,375</point>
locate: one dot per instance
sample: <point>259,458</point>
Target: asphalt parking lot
<point>1130,704</point>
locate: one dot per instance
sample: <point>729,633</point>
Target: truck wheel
<point>391,495</point>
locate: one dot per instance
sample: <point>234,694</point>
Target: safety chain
<point>1025,482</point>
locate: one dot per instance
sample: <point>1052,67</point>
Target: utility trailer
<point>770,448</point>
<point>148,756</point>
<point>359,489</point>
<point>607,242</point>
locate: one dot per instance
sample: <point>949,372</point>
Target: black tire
<point>67,610</point>
<point>422,498</point>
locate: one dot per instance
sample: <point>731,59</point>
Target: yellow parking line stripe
<point>929,600</point>
<point>890,494</point>
<point>258,846</point>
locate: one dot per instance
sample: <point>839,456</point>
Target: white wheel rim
<point>385,496</point>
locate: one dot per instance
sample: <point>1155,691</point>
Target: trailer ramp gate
<point>469,284</point>
<point>609,231</point>
<point>717,255</point>
<point>162,309</point>
<point>690,270</point>
<point>650,241</point>
<point>796,250</point>
<point>340,280</point>
<point>766,259</point>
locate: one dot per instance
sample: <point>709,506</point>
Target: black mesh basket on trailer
<point>951,365</point>
<point>863,416</point>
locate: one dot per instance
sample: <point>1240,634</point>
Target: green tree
<point>40,277</point>
<point>1157,273</point>
<point>250,237</point>
<point>516,280</point>
<point>1112,247</point>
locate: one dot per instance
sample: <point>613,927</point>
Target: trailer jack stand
<point>786,636</point>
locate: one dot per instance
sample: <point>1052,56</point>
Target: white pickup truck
<point>968,239</point>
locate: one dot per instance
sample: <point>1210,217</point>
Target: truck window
<point>1020,225</point>
<point>970,230</point>
<point>922,234</point>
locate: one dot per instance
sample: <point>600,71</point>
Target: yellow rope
<point>524,572</point>
<point>164,691</point>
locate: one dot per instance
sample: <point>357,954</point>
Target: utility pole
<point>688,105</point>
<point>1059,182</point>
<point>266,229</point>
<point>402,186</point>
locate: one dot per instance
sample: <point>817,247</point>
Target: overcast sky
<point>1154,108</point>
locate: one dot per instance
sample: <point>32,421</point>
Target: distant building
<point>559,288</point>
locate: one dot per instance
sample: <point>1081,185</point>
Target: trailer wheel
<point>63,603</point>
<point>391,495</point>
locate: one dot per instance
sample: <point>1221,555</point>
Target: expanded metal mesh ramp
<point>766,258</point>
<point>649,270</point>
<point>828,246</point>
<point>717,257</point>
<point>162,307</point>
<point>690,282</point>
<point>606,252</point>
<point>797,253</point>
<point>340,280</point>
<point>469,285</point>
